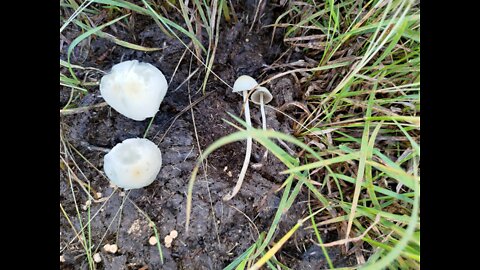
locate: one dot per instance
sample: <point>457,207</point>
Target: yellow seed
<point>174,234</point>
<point>111,248</point>
<point>168,239</point>
<point>152,241</point>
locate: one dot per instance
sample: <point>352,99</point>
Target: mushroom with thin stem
<point>243,84</point>
<point>133,163</point>
<point>134,89</point>
<point>262,96</point>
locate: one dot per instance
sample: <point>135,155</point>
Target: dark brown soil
<point>215,238</point>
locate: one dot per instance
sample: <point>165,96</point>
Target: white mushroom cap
<point>133,163</point>
<point>134,89</point>
<point>267,96</point>
<point>244,83</point>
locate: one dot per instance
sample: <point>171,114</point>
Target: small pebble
<point>152,241</point>
<point>97,258</point>
<point>62,259</point>
<point>111,248</point>
<point>87,204</point>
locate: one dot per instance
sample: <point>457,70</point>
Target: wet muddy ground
<point>218,237</point>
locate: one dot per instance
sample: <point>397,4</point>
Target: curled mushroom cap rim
<point>267,96</point>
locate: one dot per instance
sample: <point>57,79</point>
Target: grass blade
<point>83,36</point>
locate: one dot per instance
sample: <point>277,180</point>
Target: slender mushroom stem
<point>248,153</point>
<point>264,123</point>
<point>262,109</point>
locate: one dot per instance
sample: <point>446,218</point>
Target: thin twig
<point>119,211</point>
<point>82,109</point>
<point>204,162</point>
<point>180,113</point>
<point>248,218</point>
<point>348,240</point>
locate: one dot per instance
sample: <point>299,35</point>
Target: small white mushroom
<point>134,89</point>
<point>243,84</point>
<point>262,96</point>
<point>133,163</point>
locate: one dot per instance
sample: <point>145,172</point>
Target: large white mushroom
<point>134,89</point>
<point>133,163</point>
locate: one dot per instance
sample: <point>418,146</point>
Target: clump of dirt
<point>216,237</point>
